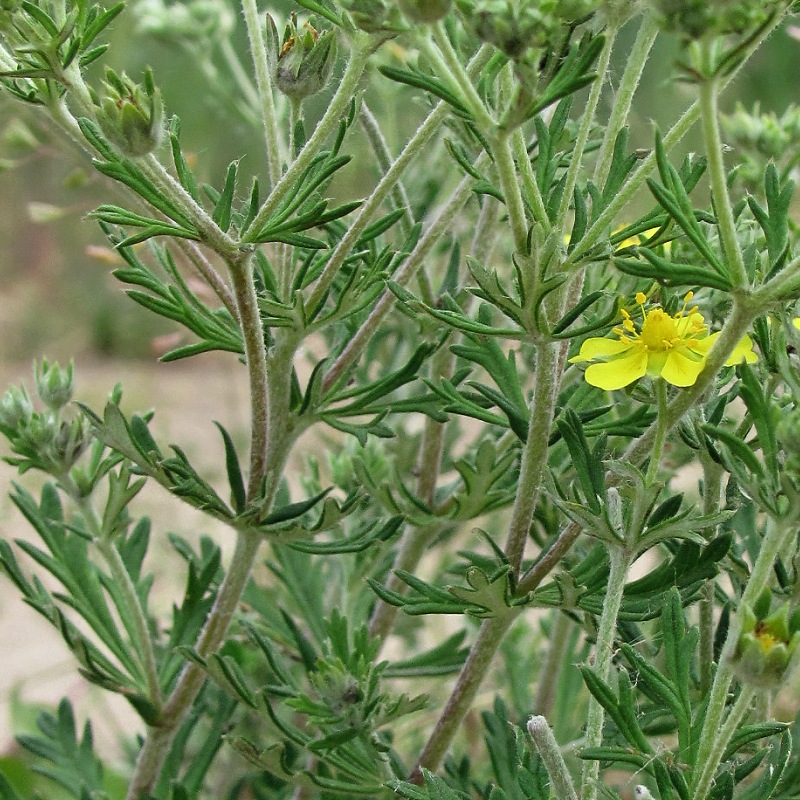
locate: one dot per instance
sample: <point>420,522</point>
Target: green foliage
<point>425,225</point>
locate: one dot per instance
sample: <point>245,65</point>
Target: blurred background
<point>59,299</point>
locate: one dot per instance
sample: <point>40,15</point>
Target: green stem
<point>718,176</point>
<point>712,502</point>
<point>458,77</point>
<point>546,744</point>
<point>785,286</point>
<point>142,640</point>
<point>778,531</point>
<point>333,115</point>
<point>553,666</point>
<point>721,739</point>
<point>439,227</point>
<point>636,60</point>
<point>587,121</point>
<point>239,75</point>
<point>159,739</point>
<point>534,454</point>
<point>530,185</point>
<point>660,437</point>
<point>533,461</point>
<point>258,50</point>
<point>209,274</point>
<point>511,189</point>
<point>380,149</point>
<point>256,361</point>
<point>619,562</point>
<point>480,658</point>
<point>212,234</point>
<point>598,230</point>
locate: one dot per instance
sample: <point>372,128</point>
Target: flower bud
<point>16,408</point>
<point>197,20</point>
<point>131,115</point>
<point>70,442</point>
<point>53,384</point>
<point>766,646</point>
<point>513,29</point>
<point>695,19</point>
<point>788,435</point>
<point>305,61</point>
<point>374,16</point>
<point>424,10</point>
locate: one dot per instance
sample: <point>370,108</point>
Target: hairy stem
<point>712,502</point>
<point>256,360</point>
<point>534,454</point>
<point>426,131</point>
<point>458,77</point>
<point>383,156</point>
<point>722,737</point>
<point>511,189</point>
<point>709,115</point>
<point>439,227</point>
<point>587,122</point>
<point>553,667</point>
<point>599,228</point>
<point>333,115</point>
<point>157,744</point>
<point>619,562</point>
<point>480,658</point>
<point>142,639</point>
<point>546,744</point>
<point>258,51</point>
<point>637,58</point>
<point>778,531</point>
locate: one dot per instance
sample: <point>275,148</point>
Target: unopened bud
<point>132,115</point>
<point>16,409</point>
<point>766,646</point>
<point>305,61</point>
<point>424,10</point>
<point>53,384</point>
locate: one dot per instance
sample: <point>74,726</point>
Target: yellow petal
<point>796,322</point>
<point>620,372</point>
<point>680,369</point>
<point>600,348</point>
<point>742,352</point>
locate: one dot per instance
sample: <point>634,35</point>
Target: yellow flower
<point>662,346</point>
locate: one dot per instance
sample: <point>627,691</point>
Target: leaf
<point>234,471</point>
<point>222,210</point>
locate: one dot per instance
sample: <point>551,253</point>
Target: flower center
<point>659,331</point>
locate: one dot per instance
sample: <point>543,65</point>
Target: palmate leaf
<point>774,220</point>
<point>175,300</point>
<point>69,759</point>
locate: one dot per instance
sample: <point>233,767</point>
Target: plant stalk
<point>159,739</point>
<point>258,51</point>
<point>619,563</point>
<point>333,115</point>
<point>645,38</point>
<point>709,116</point>
<point>546,744</point>
<point>722,737</point>
<point>587,121</point>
